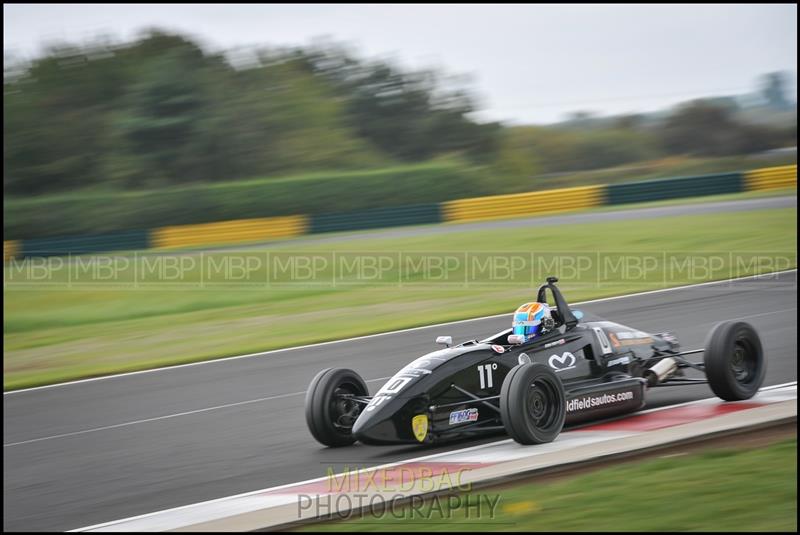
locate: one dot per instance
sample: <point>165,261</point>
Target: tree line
<point>161,111</point>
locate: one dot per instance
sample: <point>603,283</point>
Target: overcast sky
<point>528,63</point>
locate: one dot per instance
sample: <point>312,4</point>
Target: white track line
<point>368,336</point>
<point>785,310</point>
<point>357,473</point>
<point>777,387</point>
<point>166,416</point>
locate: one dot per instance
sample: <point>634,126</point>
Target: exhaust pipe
<point>661,371</point>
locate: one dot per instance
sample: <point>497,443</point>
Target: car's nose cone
<point>376,428</point>
<point>365,429</point>
<point>360,425</point>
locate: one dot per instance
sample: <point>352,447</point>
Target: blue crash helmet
<point>528,320</point>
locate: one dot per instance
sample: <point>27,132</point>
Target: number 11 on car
<point>485,374</point>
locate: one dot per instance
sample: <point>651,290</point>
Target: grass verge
<point>66,320</point>
<point>726,490</point>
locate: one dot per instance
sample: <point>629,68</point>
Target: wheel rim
<point>344,410</point>
<point>540,402</point>
<point>744,362</point>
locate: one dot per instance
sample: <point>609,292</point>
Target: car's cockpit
<point>564,318</point>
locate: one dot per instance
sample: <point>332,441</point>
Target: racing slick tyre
<point>734,360</point>
<point>330,415</point>
<point>533,405</point>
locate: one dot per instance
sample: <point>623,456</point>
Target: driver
<point>531,320</point>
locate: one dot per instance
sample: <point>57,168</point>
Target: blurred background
<point>188,182</point>
<point>114,99</point>
<point>141,131</point>
<point>171,128</point>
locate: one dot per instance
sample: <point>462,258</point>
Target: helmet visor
<point>525,326</point>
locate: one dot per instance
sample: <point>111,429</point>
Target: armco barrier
<point>10,249</point>
<point>461,210</point>
<point>674,188</point>
<point>521,204</point>
<point>395,216</point>
<point>772,178</point>
<point>76,214</point>
<point>227,232</point>
<point>98,243</point>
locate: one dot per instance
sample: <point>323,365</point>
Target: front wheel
<point>533,405</point>
<point>331,410</point>
<point>734,360</point>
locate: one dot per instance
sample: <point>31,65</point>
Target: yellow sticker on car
<point>419,424</point>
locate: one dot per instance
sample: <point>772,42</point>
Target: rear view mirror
<point>445,340</point>
<point>516,339</point>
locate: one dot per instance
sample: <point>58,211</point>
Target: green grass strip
<point>726,490</point>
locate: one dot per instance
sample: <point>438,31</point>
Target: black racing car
<point>575,371</point>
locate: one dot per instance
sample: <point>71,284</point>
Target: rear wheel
<point>330,408</point>
<point>532,404</point>
<point>734,360</point>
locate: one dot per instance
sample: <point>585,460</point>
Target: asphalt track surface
<point>89,452</point>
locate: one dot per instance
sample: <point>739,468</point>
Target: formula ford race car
<point>574,372</point>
